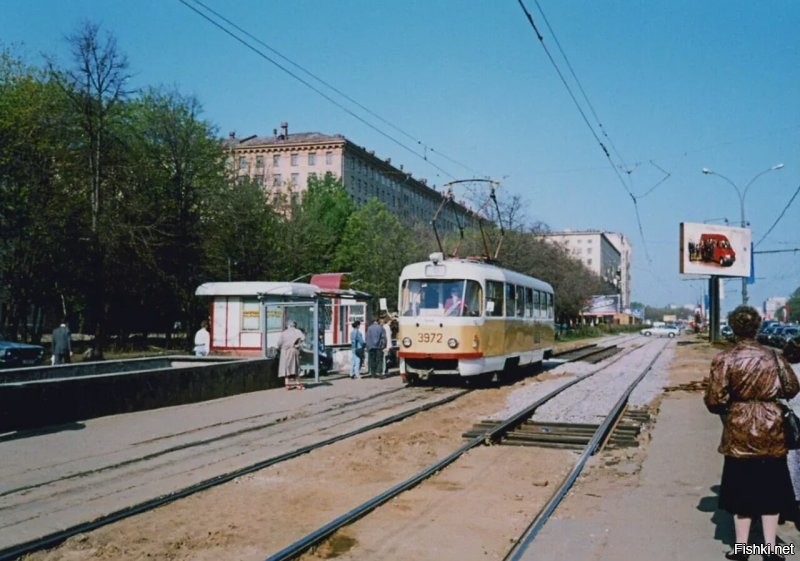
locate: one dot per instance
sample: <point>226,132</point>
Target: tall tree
<point>375,247</point>
<point>95,86</point>
<point>34,207</point>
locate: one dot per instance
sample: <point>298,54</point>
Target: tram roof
<point>460,268</point>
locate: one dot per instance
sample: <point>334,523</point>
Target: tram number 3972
<point>424,337</point>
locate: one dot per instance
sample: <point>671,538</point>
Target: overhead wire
<point>580,109</point>
<point>780,216</point>
<point>426,148</point>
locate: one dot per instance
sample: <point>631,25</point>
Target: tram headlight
<point>406,342</point>
<point>452,342</point>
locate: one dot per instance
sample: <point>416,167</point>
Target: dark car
<point>13,354</point>
<point>727,331</point>
<point>789,332</point>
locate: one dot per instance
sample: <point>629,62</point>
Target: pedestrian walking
<point>62,345</point>
<point>290,342</point>
<point>376,343</point>
<point>357,350</point>
<point>744,386</point>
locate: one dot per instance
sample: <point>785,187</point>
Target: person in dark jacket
<point>376,341</point>
<point>744,385</point>
<point>62,345</point>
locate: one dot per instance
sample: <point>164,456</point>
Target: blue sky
<point>677,86</point>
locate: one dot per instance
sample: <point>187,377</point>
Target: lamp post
<point>742,193</point>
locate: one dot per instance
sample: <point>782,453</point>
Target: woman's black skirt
<point>756,486</point>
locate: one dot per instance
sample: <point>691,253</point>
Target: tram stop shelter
<point>247,317</point>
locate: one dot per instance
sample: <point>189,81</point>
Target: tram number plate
<point>425,337</point>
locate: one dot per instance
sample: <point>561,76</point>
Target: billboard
<point>723,251</point>
<point>603,304</point>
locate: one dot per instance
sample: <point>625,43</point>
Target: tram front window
<point>441,297</point>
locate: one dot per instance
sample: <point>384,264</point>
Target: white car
<point>661,331</point>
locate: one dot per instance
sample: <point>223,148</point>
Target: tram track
<point>491,435</point>
<point>16,507</point>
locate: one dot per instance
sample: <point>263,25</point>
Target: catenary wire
<point>337,90</point>
<point>314,88</point>
<point>785,208</point>
<point>588,124</point>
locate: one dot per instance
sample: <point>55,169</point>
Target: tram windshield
<point>441,297</point>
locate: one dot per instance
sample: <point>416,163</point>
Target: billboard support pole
<point>713,316</point>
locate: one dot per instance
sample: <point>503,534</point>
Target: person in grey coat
<point>62,345</point>
<point>376,341</point>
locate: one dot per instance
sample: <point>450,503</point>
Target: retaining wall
<point>67,393</point>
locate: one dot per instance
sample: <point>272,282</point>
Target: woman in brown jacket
<point>744,386</point>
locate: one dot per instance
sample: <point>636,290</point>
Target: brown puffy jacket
<point>744,387</point>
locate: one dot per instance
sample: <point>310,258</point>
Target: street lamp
<point>742,193</point>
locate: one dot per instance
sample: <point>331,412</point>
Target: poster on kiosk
<point>723,251</point>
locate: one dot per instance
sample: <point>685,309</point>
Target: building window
<point>589,261</point>
<point>259,179</point>
<point>312,158</point>
<point>329,157</point>
<point>295,179</point>
<point>276,160</point>
<point>293,159</point>
<point>588,250</point>
<point>259,161</point>
<point>277,179</point>
<point>312,175</point>
<point>242,162</point>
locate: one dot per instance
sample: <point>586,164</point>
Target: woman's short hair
<point>745,321</point>
<point>356,323</point>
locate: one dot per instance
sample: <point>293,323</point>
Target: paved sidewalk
<point>671,514</point>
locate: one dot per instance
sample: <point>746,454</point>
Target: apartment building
<point>284,162</point>
<point>607,254</point>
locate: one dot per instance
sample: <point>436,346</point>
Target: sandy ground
<point>474,509</point>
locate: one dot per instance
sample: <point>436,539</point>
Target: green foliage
<point>794,306</point>
<point>375,247</point>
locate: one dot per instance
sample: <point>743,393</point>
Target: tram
<point>469,318</point>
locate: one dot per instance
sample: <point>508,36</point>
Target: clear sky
<point>672,87</point>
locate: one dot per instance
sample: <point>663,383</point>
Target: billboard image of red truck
<point>712,248</point>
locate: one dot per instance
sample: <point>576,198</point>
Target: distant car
<point>13,355</point>
<point>661,331</point>
<point>726,331</point>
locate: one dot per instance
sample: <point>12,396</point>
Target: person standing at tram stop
<point>202,340</point>
<point>744,385</point>
<point>376,342</point>
<point>387,330</point>
<point>357,348</point>
<point>290,342</point>
<point>62,345</point>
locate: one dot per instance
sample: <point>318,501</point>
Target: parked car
<point>775,338</point>
<point>661,331</point>
<point>727,331</point>
<point>13,354</point>
<point>763,334</point>
<point>789,332</point>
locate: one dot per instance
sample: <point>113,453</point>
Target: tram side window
<point>511,300</point>
<point>542,305</point>
<point>528,302</point>
<point>536,297</point>
<point>520,301</point>
<point>550,312</point>
<point>494,298</point>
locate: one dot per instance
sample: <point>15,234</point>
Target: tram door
<point>306,314</point>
